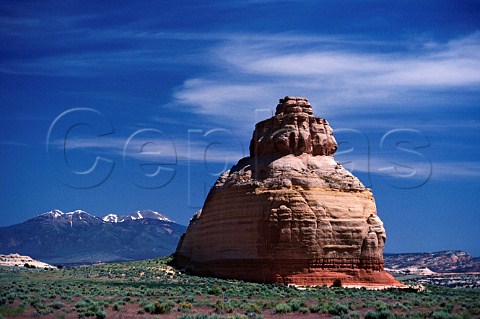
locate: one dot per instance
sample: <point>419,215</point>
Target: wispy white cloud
<point>421,170</point>
<point>453,64</point>
<point>152,50</point>
<point>201,146</point>
<point>235,101</point>
<point>336,78</point>
<point>91,63</point>
<point>223,149</point>
<point>464,169</point>
<point>426,126</point>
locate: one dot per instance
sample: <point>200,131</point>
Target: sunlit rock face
<point>289,213</point>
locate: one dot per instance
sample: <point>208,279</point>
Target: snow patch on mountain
<point>110,218</point>
<point>141,214</point>
<point>75,217</point>
<point>82,217</point>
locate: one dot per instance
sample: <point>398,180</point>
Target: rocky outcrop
<point>17,260</point>
<point>289,213</point>
<point>449,261</point>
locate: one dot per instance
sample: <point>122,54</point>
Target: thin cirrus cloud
<point>455,63</point>
<point>90,64</point>
<point>221,148</point>
<point>197,148</point>
<point>422,169</point>
<point>338,76</point>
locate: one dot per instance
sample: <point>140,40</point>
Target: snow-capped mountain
<point>141,214</point>
<point>110,218</point>
<point>80,216</point>
<point>76,217</point>
<point>78,237</point>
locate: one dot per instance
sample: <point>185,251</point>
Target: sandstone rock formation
<point>289,213</point>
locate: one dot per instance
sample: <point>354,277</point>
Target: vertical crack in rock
<point>289,212</point>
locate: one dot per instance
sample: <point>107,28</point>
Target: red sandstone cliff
<point>288,213</point>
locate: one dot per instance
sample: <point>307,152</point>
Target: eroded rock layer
<point>289,213</point>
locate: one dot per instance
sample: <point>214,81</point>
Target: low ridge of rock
<point>16,260</point>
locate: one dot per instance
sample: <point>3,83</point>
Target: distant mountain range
<point>77,237</point>
<point>449,261</point>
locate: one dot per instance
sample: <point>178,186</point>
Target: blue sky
<point>166,96</point>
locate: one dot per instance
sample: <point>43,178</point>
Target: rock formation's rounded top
<point>293,104</point>
<point>293,130</point>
